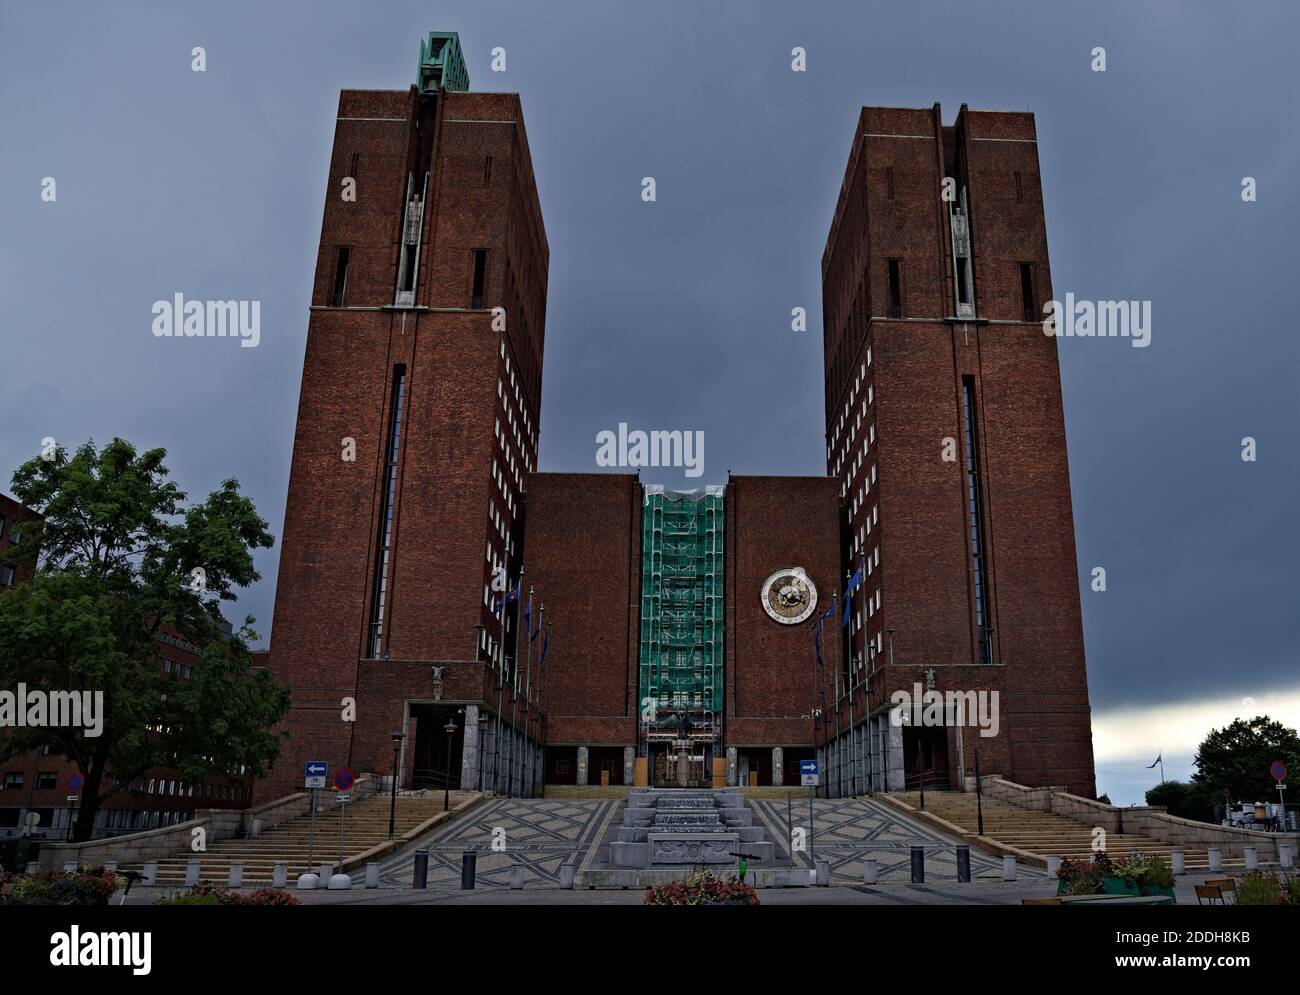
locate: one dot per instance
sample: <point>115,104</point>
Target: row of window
<point>45,780</point>
<point>343,263</point>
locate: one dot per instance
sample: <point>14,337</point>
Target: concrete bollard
<point>372,874</point>
<point>566,876</point>
<point>468,869</point>
<point>325,871</point>
<point>516,876</point>
<point>870,871</point>
<point>420,869</point>
<point>1285,855</point>
<point>918,865</point>
<point>70,867</point>
<point>235,879</point>
<point>1216,859</point>
<point>279,875</point>
<point>339,882</point>
<point>308,881</point>
<point>1178,861</point>
<point>1053,865</point>
<point>191,874</point>
<point>1008,868</point>
<point>797,877</point>
<point>963,864</point>
<point>1252,858</point>
<point>256,829</point>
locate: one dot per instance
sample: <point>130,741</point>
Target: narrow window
<point>895,289</point>
<point>1020,194</point>
<point>340,277</point>
<point>1027,291</point>
<point>480,277</point>
<point>974,511</point>
<point>889,180</point>
<point>384,545</point>
<point>963,292</point>
<point>353,171</point>
<point>487,171</point>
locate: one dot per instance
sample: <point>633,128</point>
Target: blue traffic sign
<point>76,782</point>
<point>344,779</point>
<point>314,772</point>
<point>808,773</point>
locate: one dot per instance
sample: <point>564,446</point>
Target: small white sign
<point>343,798</point>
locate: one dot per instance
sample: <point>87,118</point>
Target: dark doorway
<point>561,765</point>
<point>792,757</point>
<point>432,764</point>
<point>605,762</point>
<point>925,756</point>
<point>755,767</point>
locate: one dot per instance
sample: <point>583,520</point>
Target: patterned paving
<point>542,833</point>
<point>850,830</point>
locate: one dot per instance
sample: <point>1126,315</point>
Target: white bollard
<point>1053,865</point>
<point>150,873</point>
<point>516,877</point>
<point>70,867</point>
<point>110,866</point>
<point>325,871</point>
<point>280,875</point>
<point>1178,860</point>
<point>1008,868</point>
<point>566,876</point>
<point>1285,855</point>
<point>308,881</point>
<point>372,874</point>
<point>1252,858</point>
<point>870,871</point>
<point>1216,859</point>
<point>256,828</point>
<point>339,882</point>
<point>191,874</point>
<point>235,879</point>
<point>822,877</point>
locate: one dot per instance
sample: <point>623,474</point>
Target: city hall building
<point>445,610</point>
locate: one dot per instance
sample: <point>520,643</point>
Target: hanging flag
<point>528,615</point>
<point>546,645</point>
<point>854,583</point>
<point>818,626</point>
<point>532,636</point>
<point>1156,761</point>
<point>511,595</point>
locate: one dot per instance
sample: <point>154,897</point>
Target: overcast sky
<point>676,314</point>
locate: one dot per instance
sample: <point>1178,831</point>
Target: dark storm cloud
<point>676,314</point>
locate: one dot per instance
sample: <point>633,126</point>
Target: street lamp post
<point>392,805</point>
<point>450,730</point>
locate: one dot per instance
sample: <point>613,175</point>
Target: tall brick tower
<point>946,438</point>
<point>417,424</point>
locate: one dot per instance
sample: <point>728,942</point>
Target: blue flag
<point>511,595</point>
<point>854,583</point>
<point>532,636</point>
<point>818,626</point>
<point>546,645</point>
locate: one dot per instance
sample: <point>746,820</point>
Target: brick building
<point>446,611</point>
<point>946,439</point>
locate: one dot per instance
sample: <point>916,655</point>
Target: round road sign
<point>344,780</point>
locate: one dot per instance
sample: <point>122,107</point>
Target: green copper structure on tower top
<point>442,67</point>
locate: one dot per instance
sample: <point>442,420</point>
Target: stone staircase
<point>1044,833</point>
<point>667,827</point>
<point>287,843</point>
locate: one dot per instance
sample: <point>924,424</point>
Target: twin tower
<point>701,635</point>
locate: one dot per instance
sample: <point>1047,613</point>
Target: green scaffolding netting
<point>682,621</point>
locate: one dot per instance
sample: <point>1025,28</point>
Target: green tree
<point>123,557</point>
<point>1238,756</point>
<point>1187,801</point>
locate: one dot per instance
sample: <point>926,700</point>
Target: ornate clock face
<point>789,596</point>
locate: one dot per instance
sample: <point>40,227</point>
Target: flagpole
<point>496,738</point>
<point>812,705</point>
<point>514,690</point>
<point>528,681</point>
